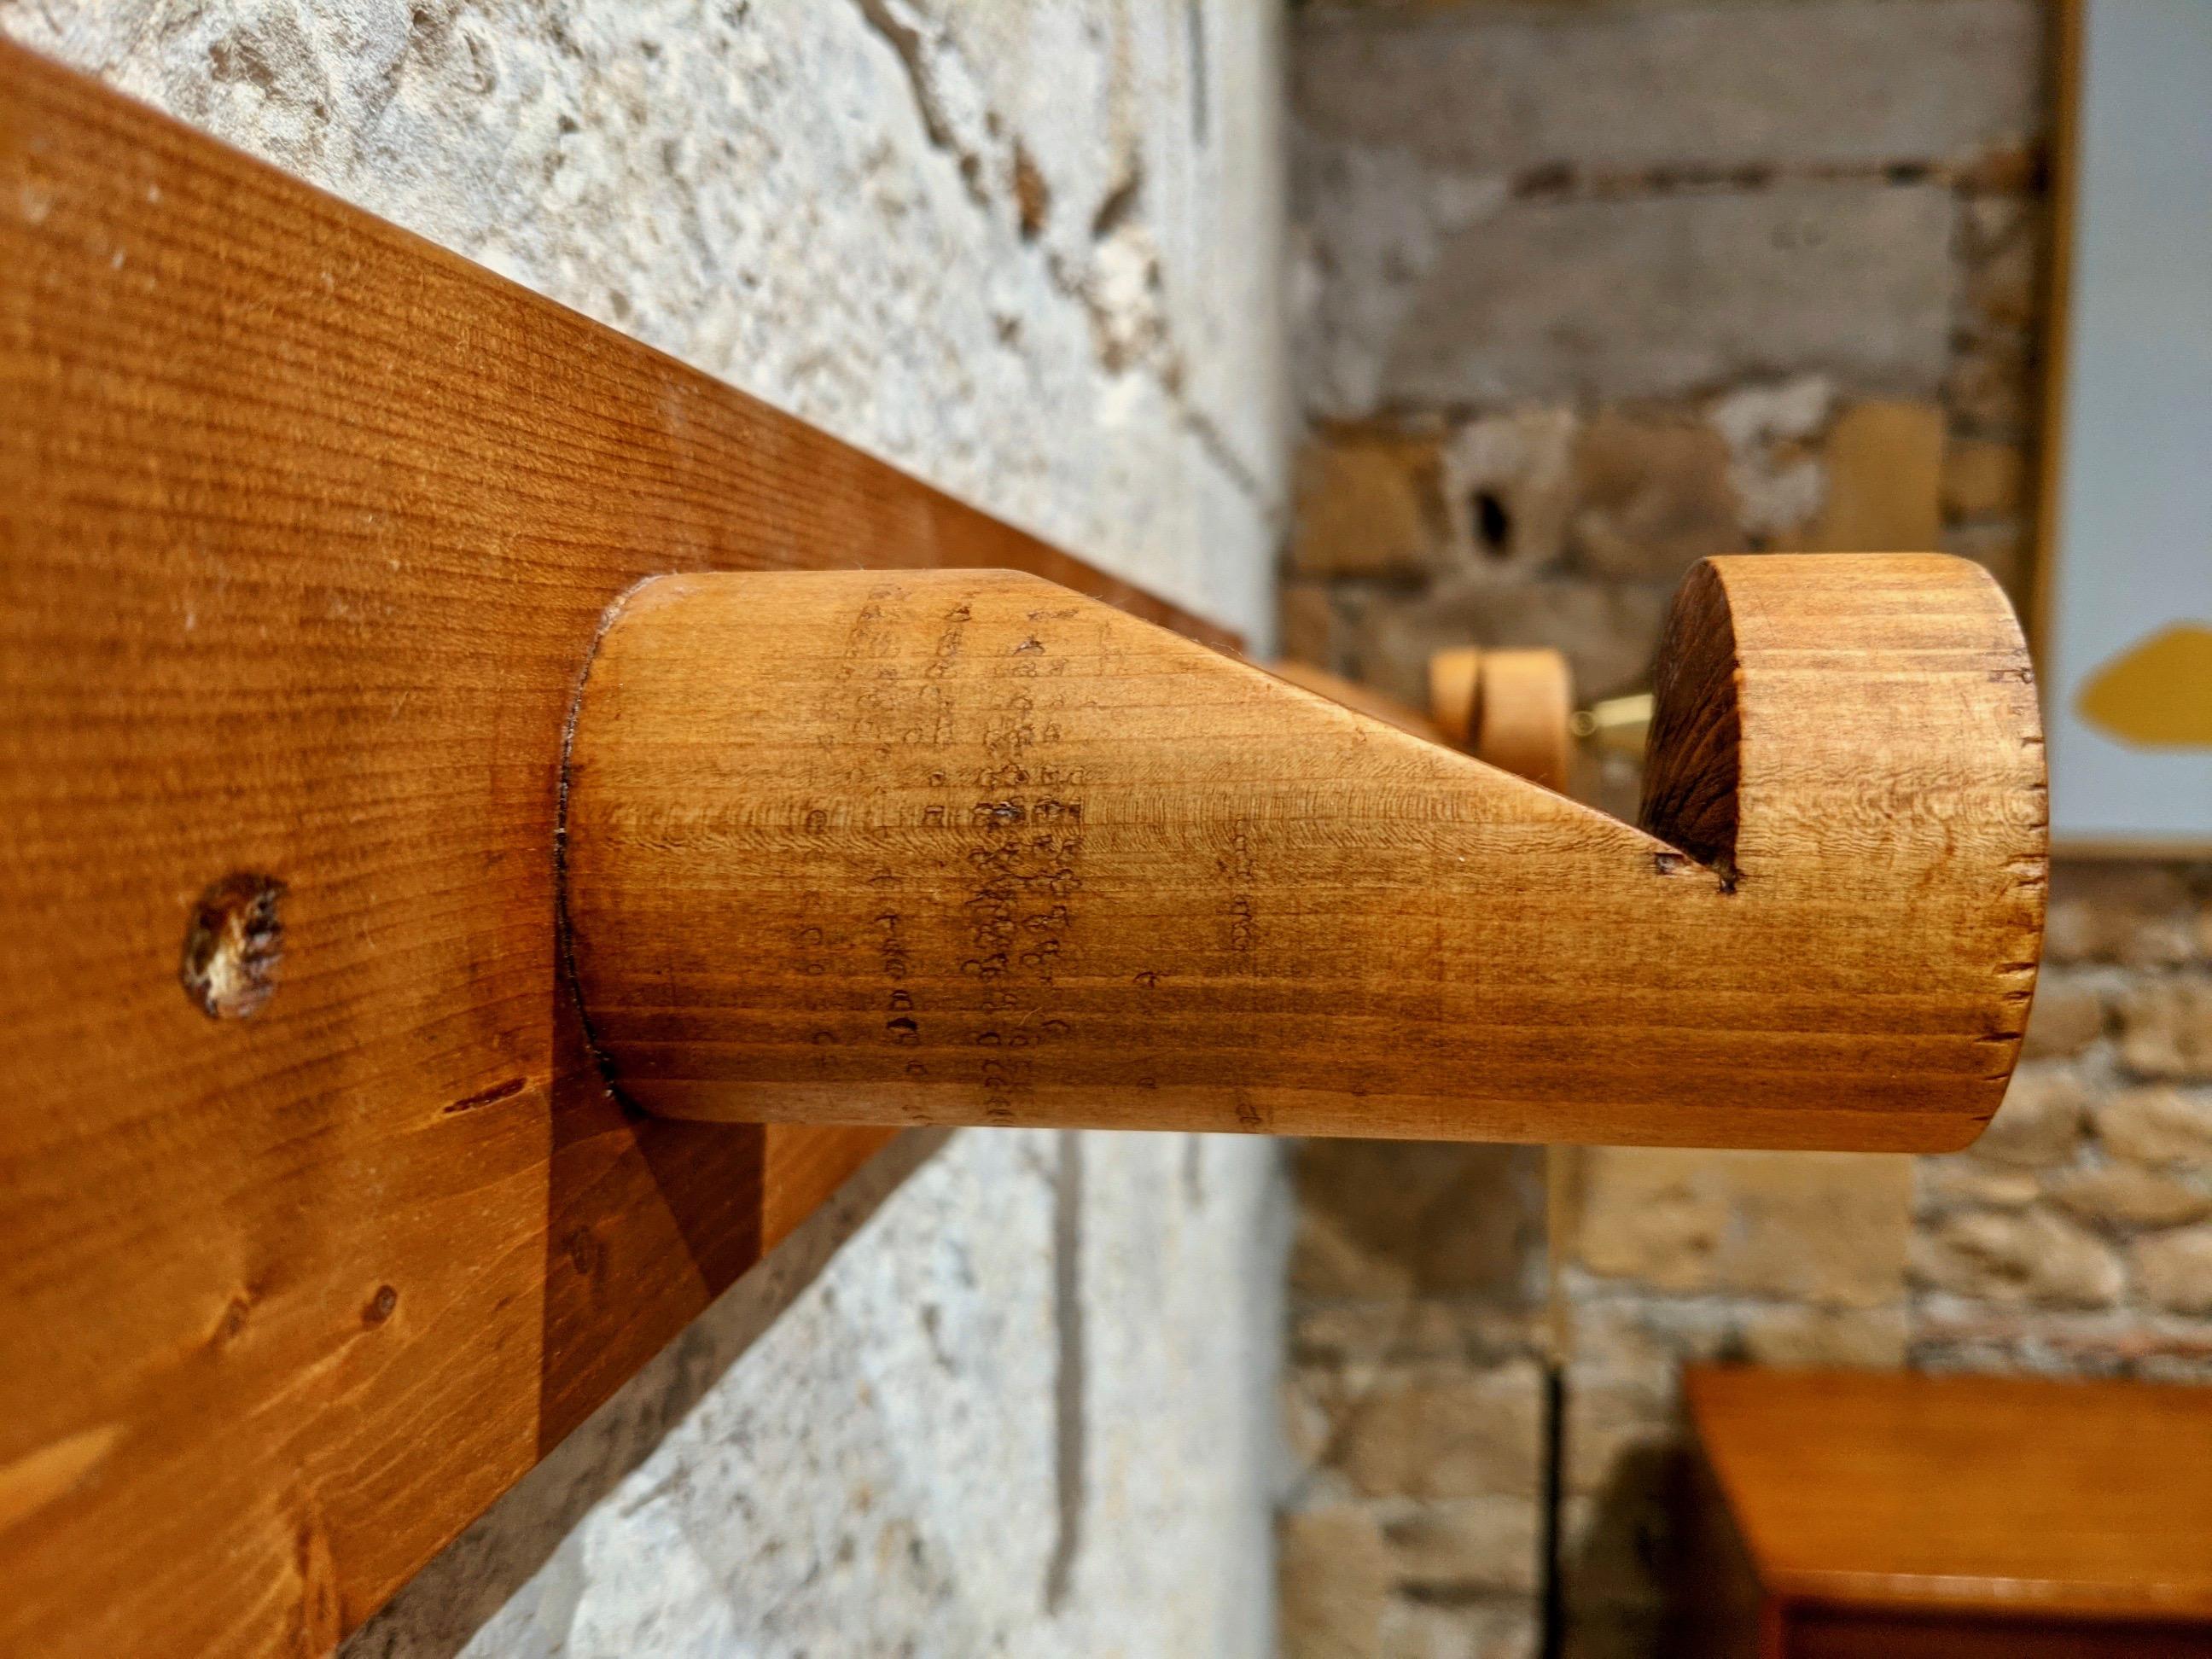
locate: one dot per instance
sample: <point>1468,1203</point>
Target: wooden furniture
<point>1901,1516</point>
<point>319,1223</point>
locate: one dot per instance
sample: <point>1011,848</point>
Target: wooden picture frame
<point>2112,797</point>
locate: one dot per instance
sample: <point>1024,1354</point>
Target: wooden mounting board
<point>308,525</point>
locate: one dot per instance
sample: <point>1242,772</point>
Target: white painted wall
<point>1028,249</point>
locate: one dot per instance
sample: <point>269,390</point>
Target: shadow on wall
<point>443,1608</point>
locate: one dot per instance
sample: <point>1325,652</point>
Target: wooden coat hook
<point>965,846</point>
<point>321,1223</point>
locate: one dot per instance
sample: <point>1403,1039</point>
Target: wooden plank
<point>307,527</point>
<point>961,846</point>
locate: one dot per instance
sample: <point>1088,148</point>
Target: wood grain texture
<point>1509,708</point>
<point>305,528</point>
<point>2045,1506</point>
<point>1521,725</point>
<point>962,848</point>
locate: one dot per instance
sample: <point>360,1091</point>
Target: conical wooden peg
<point>1512,709</point>
<point>968,847</point>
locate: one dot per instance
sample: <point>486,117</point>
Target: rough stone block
<point>2026,1256</point>
<point>1383,1219</point>
<point>1371,503</point>
<point>2068,1016</point>
<point>1309,628</point>
<point>1514,477</point>
<point>2004,549</point>
<point>1984,479</point>
<point>1652,496</point>
<point>1607,629</point>
<point>1842,83</point>
<point>2158,1124</point>
<point>2131,1195</point>
<point>1432,1430</point>
<point>1333,1583</point>
<point>1459,1629</point>
<point>1366,234</point>
<point>1618,1334</point>
<point>1947,1183</point>
<point>1808,1335</point>
<point>1661,295</point>
<point>2143,914</point>
<point>2040,1120</point>
<point>1826,1227</point>
<point>1771,429</point>
<point>1884,467</point>
<point>2165,1027</point>
<point>2001,237</point>
<point>1457,1546</point>
<point>1479,1333</point>
<point>2175,1269</point>
<point>1992,387</point>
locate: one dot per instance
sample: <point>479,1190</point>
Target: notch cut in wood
<point>965,847</point>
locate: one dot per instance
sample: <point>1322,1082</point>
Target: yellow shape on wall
<point>2157,694</point>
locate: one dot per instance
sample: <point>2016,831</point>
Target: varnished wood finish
<point>1455,693</point>
<point>308,527</point>
<point>1511,707</point>
<point>963,848</point>
<point>1896,1514</point>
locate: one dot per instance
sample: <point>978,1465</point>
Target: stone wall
<point>1032,253</point>
<point>1585,291</point>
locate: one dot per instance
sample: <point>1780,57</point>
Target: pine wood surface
<point>307,527</point>
<point>962,847</point>
<point>2016,1497</point>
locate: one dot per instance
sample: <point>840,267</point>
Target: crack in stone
<point>912,49</point>
<point>1160,357</point>
<point>1070,1425</point>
